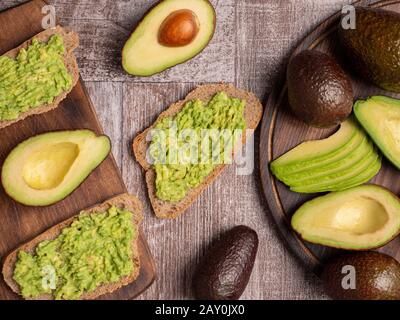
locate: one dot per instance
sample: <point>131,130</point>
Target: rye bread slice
<point>252,115</point>
<point>71,42</point>
<point>125,201</point>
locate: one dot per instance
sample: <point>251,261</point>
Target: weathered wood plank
<point>107,98</point>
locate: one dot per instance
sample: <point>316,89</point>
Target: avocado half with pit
<point>171,33</point>
<point>360,218</point>
<point>47,168</point>
<point>380,117</point>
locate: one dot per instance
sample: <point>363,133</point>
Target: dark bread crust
<point>71,42</point>
<point>125,201</point>
<point>252,115</point>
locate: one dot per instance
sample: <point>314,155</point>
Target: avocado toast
<point>252,115</point>
<point>124,201</point>
<point>70,41</point>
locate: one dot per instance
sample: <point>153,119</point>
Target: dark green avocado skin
<point>377,277</point>
<point>373,48</point>
<point>225,270</point>
<point>319,91</point>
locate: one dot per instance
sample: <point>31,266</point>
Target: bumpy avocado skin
<point>320,92</point>
<point>373,48</point>
<point>377,277</point>
<point>225,270</point>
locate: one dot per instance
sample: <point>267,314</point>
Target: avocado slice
<point>380,117</point>
<point>171,33</point>
<point>46,168</point>
<point>363,150</point>
<point>362,171</point>
<point>373,47</point>
<point>363,177</point>
<point>311,154</point>
<point>360,218</point>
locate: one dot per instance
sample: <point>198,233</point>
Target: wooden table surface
<point>252,42</point>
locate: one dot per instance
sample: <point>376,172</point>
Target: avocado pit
<point>46,168</point>
<point>179,29</point>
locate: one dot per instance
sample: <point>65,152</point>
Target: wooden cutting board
<point>281,131</point>
<point>19,223</point>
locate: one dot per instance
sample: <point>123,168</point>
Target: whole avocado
<point>225,270</point>
<point>373,47</point>
<point>377,277</point>
<point>320,92</point>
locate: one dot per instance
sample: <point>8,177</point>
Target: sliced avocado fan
<point>345,159</point>
<point>360,218</point>
<point>380,117</point>
<point>310,154</point>
<point>336,164</point>
<point>46,168</point>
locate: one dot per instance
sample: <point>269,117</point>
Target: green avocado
<point>187,147</point>
<point>171,33</point>
<point>311,154</point>
<point>362,172</point>
<point>373,47</point>
<point>96,249</point>
<point>34,78</point>
<point>360,218</point>
<point>380,117</point>
<point>46,168</point>
<point>363,177</point>
<point>344,159</point>
<point>362,151</point>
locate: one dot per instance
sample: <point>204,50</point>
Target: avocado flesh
<point>363,177</point>
<point>380,117</point>
<point>359,153</point>
<point>46,168</point>
<point>360,218</point>
<point>143,55</point>
<point>373,47</point>
<point>311,154</point>
<point>364,171</point>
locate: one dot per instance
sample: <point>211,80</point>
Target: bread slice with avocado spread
<point>100,217</point>
<point>251,115</point>
<point>26,102</point>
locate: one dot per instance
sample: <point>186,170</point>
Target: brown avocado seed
<point>179,29</point>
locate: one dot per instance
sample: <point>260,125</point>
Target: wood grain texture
<point>250,48</point>
<point>21,223</point>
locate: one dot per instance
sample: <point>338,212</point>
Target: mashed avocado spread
<point>34,78</point>
<point>185,147</point>
<point>95,249</point>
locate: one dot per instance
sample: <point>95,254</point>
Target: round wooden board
<point>281,131</point>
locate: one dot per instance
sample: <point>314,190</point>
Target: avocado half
<point>380,117</point>
<point>360,218</point>
<point>148,51</point>
<point>47,168</point>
